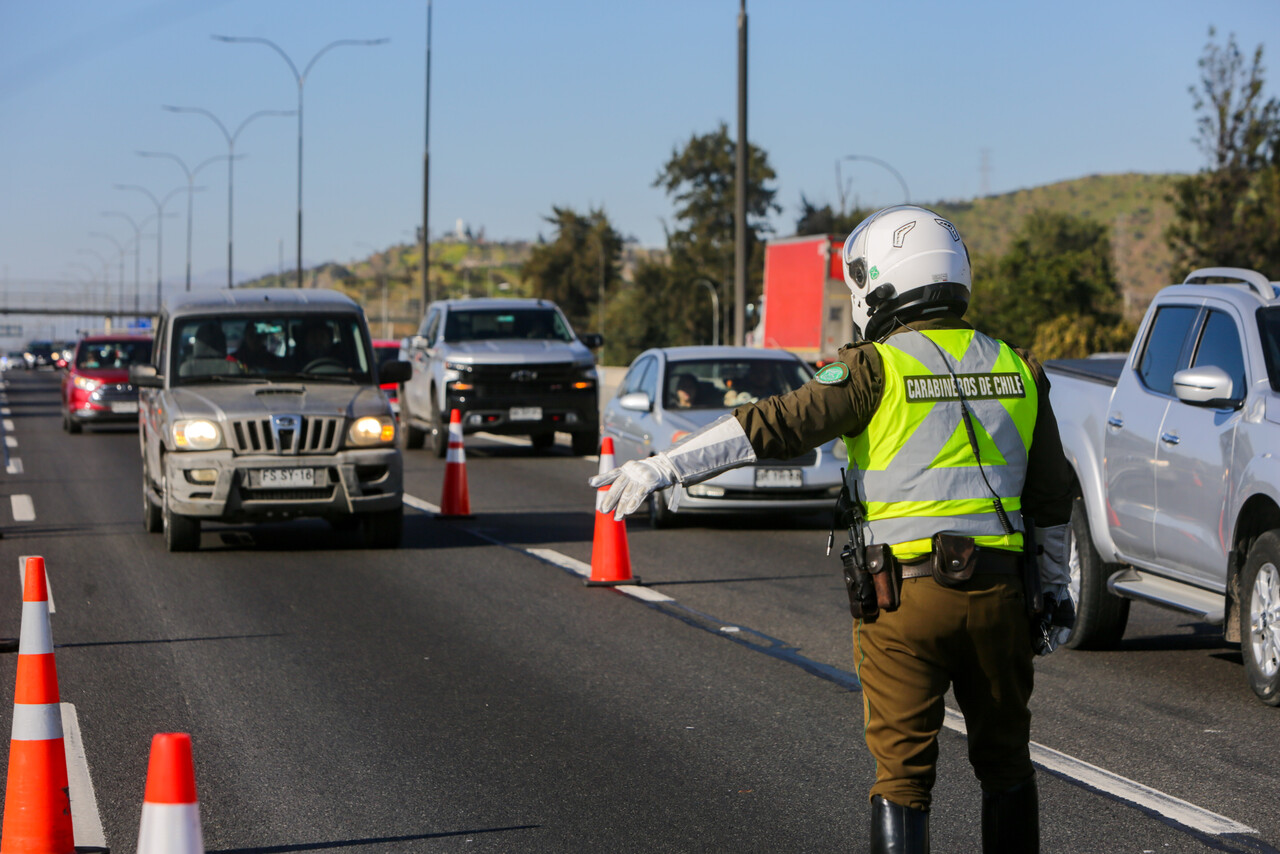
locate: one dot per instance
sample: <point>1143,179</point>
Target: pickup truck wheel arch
<point>1260,617</point>
<point>1101,616</point>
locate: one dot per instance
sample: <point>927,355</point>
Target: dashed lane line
<point>8,422</point>
<point>10,441</point>
<point>14,466</point>
<point>1067,767</point>
<point>86,823</point>
<point>23,508</point>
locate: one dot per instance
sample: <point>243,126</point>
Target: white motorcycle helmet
<point>904,261</point>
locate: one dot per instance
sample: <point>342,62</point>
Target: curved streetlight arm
<point>103,234</point>
<point>906,194</point>
<point>268,43</point>
<point>340,43</point>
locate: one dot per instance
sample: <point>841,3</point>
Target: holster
<point>954,559</point>
<point>886,575</point>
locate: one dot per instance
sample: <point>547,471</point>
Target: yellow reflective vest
<point>914,466</point>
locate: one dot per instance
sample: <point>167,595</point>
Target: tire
<point>181,533</point>
<point>413,436</point>
<point>382,530</point>
<point>439,431</point>
<point>152,516</point>
<point>1100,615</point>
<point>1260,617</point>
<point>659,516</point>
<point>542,442</point>
<point>71,425</point>
<point>586,443</point>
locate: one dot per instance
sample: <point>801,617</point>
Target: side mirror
<point>395,372</point>
<point>636,401</point>
<point>418,342</point>
<point>592,340</point>
<point>145,376</point>
<point>1208,386</point>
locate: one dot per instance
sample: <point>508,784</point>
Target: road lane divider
<point>10,441</point>
<point>8,423</point>
<point>170,810</point>
<point>14,466</point>
<point>456,500</point>
<point>24,510</point>
<point>86,823</point>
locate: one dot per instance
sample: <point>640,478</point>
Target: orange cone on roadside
<point>456,501</point>
<point>610,557</point>
<point>170,810</point>
<point>37,808</point>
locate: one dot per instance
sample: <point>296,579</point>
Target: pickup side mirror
<point>592,340</point>
<point>395,372</point>
<point>145,376</point>
<point>418,342</point>
<point>1208,386</point>
<point>636,401</point>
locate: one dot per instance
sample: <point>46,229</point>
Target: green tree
<point>700,180</point>
<point>824,220</point>
<point>578,266</point>
<point>1227,214</point>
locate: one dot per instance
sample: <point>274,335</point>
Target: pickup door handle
<point>1169,438</point>
<point>1115,421</point>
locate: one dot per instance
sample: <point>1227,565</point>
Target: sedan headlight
<point>195,434</point>
<point>86,383</point>
<point>372,430</point>
<point>840,450</point>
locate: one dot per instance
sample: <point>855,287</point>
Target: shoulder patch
<point>836,372</point>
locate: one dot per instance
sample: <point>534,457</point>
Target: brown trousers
<point>974,638</point>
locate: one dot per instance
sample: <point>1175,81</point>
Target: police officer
<point>949,432</point>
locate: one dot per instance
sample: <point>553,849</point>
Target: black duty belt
<point>990,562</point>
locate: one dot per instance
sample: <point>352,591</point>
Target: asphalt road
<point>463,692</point>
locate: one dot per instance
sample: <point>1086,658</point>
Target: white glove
<point>632,483</point>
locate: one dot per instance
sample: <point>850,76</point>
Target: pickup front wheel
<point>1100,615</point>
<point>1260,617</point>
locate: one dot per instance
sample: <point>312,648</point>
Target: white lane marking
<point>14,466</point>
<point>23,509</point>
<point>4,410</point>
<point>419,504</point>
<point>86,823</point>
<point>1131,791</point>
<point>11,441</point>
<point>48,582</point>
<point>8,422</point>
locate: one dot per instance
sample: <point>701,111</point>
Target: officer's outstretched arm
<point>720,446</point>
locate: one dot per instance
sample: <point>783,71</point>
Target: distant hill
<point>1135,207</point>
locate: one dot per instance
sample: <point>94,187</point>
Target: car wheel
<point>586,443</point>
<point>70,424</point>
<point>413,436</point>
<point>1100,614</point>
<point>542,442</point>
<point>659,516</point>
<point>1260,617</point>
<point>152,518</point>
<point>382,530</point>
<point>181,533</point>
<point>439,432</point>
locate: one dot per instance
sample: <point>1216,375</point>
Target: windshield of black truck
<point>269,347</point>
<point>536,324</point>
<point>1269,331</point>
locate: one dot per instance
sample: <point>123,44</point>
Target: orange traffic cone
<point>170,811</point>
<point>37,808</point>
<point>455,502</point>
<point>610,557</point>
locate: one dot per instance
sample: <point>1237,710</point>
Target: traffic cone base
<point>610,556</point>
<point>456,501</point>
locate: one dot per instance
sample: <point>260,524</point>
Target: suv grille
<point>517,380</point>
<point>314,435</point>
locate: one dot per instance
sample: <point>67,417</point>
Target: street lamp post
<point>715,307</point>
<point>906,194</point>
<point>120,249</point>
<point>159,232</point>
<point>231,166</point>
<point>191,190</point>
<point>301,78</point>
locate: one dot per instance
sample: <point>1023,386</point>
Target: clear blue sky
<point>562,102</point>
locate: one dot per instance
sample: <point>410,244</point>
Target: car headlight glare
<point>840,451</point>
<point>86,383</point>
<point>195,434</point>
<point>372,430</point>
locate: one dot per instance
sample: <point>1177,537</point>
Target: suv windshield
<point>1269,331</point>
<point>276,347</point>
<point>94,355</point>
<point>475,324</point>
<point>719,383</point>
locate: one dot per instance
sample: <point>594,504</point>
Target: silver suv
<point>509,366</point>
<point>262,405</point>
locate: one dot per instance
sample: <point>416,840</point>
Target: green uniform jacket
<point>788,425</point>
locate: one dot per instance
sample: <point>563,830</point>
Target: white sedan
<point>669,392</point>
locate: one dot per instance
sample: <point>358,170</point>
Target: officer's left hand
<point>1055,621</point>
<point>632,483</point>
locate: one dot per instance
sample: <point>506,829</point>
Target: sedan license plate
<point>267,478</point>
<point>526,413</point>
<point>779,478</point>
<point>124,406</point>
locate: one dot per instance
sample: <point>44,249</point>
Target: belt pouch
<point>954,559</point>
<point>886,575</point>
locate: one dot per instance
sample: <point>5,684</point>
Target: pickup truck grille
<point>806,459</point>
<point>519,380</point>
<point>314,435</point>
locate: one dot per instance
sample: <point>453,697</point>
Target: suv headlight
<point>86,383</point>
<point>196,434</point>
<point>372,430</point>
<point>454,371</point>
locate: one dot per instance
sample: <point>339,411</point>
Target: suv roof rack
<point>1239,275</point>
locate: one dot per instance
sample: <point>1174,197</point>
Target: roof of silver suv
<point>252,300</point>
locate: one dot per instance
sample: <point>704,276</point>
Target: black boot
<point>1011,821</point>
<point>896,829</point>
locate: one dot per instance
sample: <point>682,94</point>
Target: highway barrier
<point>610,556</point>
<point>456,502</point>
<point>170,809</point>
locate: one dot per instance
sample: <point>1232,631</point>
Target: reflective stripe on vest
<point>915,468</point>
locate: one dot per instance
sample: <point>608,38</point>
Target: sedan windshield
<point>475,324</point>
<point>275,347</point>
<point>722,383</point>
<point>94,355</point>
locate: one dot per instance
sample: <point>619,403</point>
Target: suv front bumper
<point>567,412</point>
<point>218,484</point>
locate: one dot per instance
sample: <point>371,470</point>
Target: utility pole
<point>740,183</point>
<point>424,240</point>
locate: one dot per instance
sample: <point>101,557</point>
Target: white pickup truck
<point>1177,449</point>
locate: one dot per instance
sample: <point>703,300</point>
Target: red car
<point>388,351</point>
<point>96,387</point>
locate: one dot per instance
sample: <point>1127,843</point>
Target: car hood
<point>507,351</point>
<point>246,401</point>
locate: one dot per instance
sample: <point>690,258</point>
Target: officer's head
<point>904,262</point>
